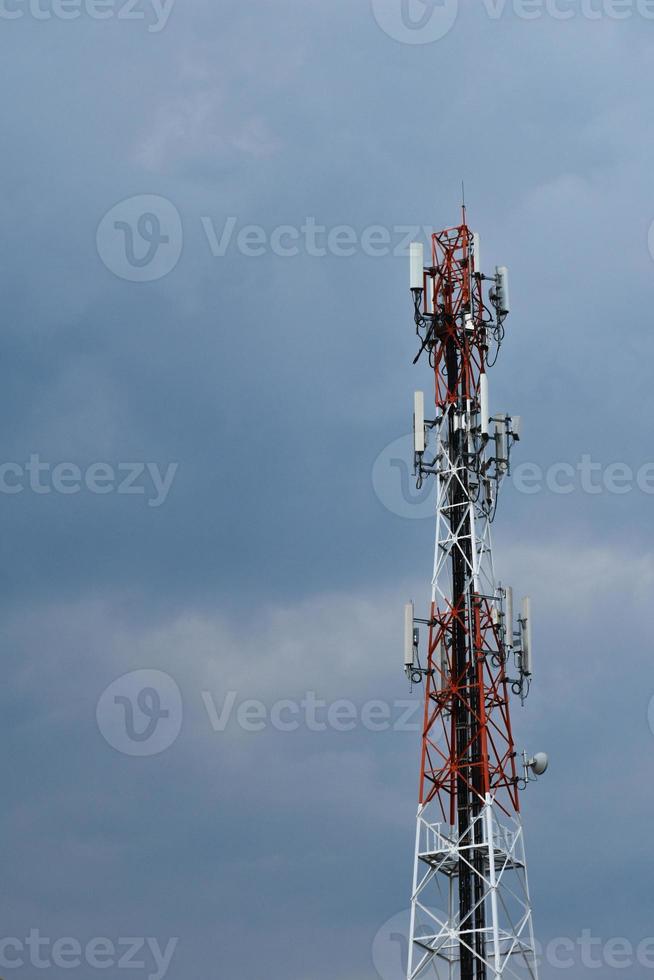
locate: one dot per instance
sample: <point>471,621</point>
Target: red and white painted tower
<point>470,908</point>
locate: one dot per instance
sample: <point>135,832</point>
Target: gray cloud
<point>273,569</point>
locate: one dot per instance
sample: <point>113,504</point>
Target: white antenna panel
<point>503,299</point>
<point>417,260</point>
<point>408,634</point>
<point>419,444</point>
<point>484,404</point>
<point>526,638</point>
<point>476,247</point>
<point>508,616</point>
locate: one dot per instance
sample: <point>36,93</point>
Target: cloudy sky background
<point>273,568</point>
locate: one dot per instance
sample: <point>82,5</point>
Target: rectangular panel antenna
<point>419,442</point>
<point>409,615</point>
<point>525,627</point>
<point>417,260</point>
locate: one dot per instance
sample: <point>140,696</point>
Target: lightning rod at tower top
<point>471,915</point>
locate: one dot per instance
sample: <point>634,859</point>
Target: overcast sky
<point>206,354</point>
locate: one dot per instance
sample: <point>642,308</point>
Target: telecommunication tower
<point>470,907</point>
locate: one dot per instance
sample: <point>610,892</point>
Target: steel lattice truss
<point>470,910</point>
<point>457,294</point>
<point>437,930</point>
<point>468,535</point>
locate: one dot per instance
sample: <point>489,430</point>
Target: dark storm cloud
<point>273,383</point>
